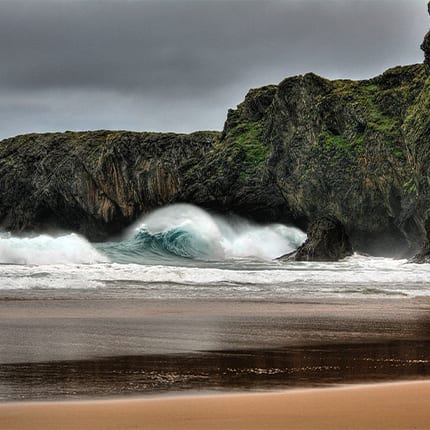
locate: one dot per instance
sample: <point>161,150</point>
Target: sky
<point>179,65</point>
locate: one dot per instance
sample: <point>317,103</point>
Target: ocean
<point>186,300</point>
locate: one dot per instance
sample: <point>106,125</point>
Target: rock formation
<point>327,241</point>
<point>94,183</point>
<point>293,152</point>
<point>357,150</point>
<point>426,45</point>
<point>424,255</point>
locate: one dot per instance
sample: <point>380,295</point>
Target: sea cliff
<point>354,151</point>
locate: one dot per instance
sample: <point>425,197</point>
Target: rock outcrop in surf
<point>290,153</point>
<point>327,241</point>
<point>424,255</point>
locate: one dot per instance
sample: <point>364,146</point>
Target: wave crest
<point>186,231</point>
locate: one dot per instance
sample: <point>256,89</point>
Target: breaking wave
<point>186,231</point>
<point>174,232</point>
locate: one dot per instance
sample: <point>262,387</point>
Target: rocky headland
<point>306,149</point>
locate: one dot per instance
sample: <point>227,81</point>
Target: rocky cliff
<point>355,151</point>
<point>94,183</point>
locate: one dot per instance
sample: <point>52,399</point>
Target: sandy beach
<point>384,406</point>
<point>62,362</point>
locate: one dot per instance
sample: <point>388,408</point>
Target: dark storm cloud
<point>58,56</point>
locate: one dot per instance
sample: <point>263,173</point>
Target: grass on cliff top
<point>388,125</point>
<point>365,94</point>
<point>380,104</point>
<point>246,137</point>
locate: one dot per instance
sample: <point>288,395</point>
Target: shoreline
<point>394,405</point>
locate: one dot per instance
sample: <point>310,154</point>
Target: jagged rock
<point>330,153</point>
<point>424,255</point>
<point>426,45</point>
<point>327,241</point>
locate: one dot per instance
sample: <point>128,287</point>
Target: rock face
<point>426,45</point>
<point>94,183</point>
<point>327,241</point>
<point>234,175</point>
<point>357,151</point>
<point>354,150</point>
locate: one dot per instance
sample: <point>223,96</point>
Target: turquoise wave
<point>178,243</point>
<point>189,233</point>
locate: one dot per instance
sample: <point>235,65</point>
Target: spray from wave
<point>186,231</point>
<point>44,249</point>
<point>180,231</point>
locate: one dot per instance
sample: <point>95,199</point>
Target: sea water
<point>187,301</point>
<point>181,251</point>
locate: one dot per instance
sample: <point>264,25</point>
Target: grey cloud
<point>144,54</point>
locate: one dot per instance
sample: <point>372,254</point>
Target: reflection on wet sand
<point>90,348</point>
<point>216,371</point>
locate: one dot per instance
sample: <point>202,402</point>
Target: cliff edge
<point>426,45</point>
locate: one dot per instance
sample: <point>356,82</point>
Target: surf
<point>45,249</point>
<point>179,233</point>
<point>183,231</point>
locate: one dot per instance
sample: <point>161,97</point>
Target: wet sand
<point>379,407</point>
<point>216,371</point>
<point>92,348</point>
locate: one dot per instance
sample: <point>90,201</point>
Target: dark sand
<point>91,348</point>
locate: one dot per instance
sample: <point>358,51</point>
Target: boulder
<point>327,241</point>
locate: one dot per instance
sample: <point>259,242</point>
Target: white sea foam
<point>356,276</point>
<point>201,236</point>
<point>45,249</point>
<point>223,237</point>
<point>240,266</point>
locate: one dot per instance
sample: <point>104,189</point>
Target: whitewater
<point>181,251</point>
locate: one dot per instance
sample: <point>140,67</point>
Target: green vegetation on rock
<point>247,136</point>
